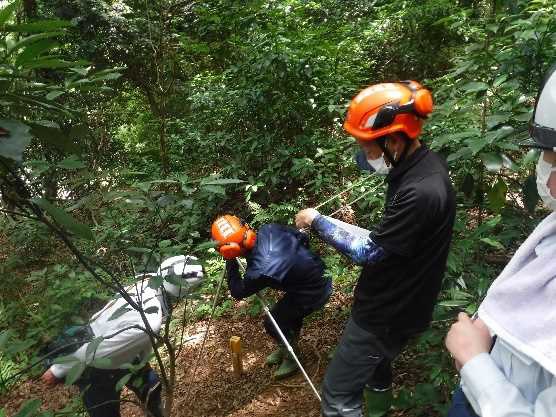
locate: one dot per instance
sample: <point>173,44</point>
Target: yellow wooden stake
<point>237,358</point>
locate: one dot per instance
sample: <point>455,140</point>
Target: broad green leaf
<point>461,153</point>
<point>475,86</point>
<point>509,163</point>
<point>523,117</point>
<point>492,242</point>
<point>81,70</point>
<point>222,181</point>
<point>531,156</point>
<point>8,12</point>
<point>64,219</point>
<point>32,39</point>
<point>156,282</point>
<point>530,193</point>
<point>101,363</point>
<point>32,51</point>
<point>75,372</point>
<point>49,63</point>
<point>453,303</point>
<point>476,144</point>
<point>14,139</point>
<point>120,312</point>
<point>71,163</point>
<point>40,26</point>
<point>29,408</point>
<point>122,381</point>
<point>497,195</point>
<point>54,94</point>
<point>492,161</point>
<point>151,310</point>
<point>215,189</point>
<point>92,347</point>
<point>3,412</point>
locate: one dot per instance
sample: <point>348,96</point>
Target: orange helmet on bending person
<point>386,108</point>
<point>233,237</point>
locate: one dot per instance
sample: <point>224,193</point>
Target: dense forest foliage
<point>126,126</point>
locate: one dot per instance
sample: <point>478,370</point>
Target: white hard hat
<point>543,125</point>
<point>182,274</point>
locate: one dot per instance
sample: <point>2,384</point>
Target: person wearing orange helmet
<point>403,258</point>
<point>277,257</point>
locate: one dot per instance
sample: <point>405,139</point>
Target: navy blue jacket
<point>281,260</point>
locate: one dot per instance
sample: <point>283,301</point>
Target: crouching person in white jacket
<point>117,344</point>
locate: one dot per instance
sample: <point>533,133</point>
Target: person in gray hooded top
<point>516,322</point>
<point>123,341</point>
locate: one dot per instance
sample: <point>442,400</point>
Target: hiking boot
<point>288,367</point>
<point>275,357</point>
<point>378,401</point>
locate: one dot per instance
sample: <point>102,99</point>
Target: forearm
<point>485,385</point>
<point>361,251</point>
<point>241,288</point>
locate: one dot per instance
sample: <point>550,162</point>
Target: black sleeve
<point>241,288</point>
<point>400,229</point>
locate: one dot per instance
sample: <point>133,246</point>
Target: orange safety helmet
<point>387,108</point>
<point>233,236</point>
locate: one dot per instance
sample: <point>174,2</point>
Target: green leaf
<point>156,282</point>
<point>54,94</point>
<point>122,381</point>
<point>32,39</point>
<point>453,303</point>
<point>492,161</point>
<point>8,12</point>
<point>492,242</point>
<point>14,139</point>
<point>71,163</point>
<point>497,195</point>
<point>509,163</point>
<point>120,312</point>
<point>32,51</point>
<point>531,156</point>
<point>75,372</point>
<point>530,193</point>
<point>49,63</point>
<point>64,219</point>
<point>215,189</point>
<point>461,153</point>
<point>39,26</point>
<point>222,181</point>
<point>475,86</point>
<point>151,310</point>
<point>29,408</point>
<point>92,347</point>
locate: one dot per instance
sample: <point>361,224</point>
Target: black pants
<point>98,387</point>
<point>362,358</point>
<point>289,315</point>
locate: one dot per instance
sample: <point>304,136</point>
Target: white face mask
<point>544,170</point>
<point>379,165</point>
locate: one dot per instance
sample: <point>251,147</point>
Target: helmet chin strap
<point>391,159</point>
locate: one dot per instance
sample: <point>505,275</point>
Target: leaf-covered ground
<point>214,390</point>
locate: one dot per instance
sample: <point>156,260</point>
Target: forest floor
<point>215,391</point>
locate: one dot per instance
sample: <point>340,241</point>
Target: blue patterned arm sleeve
<point>360,251</point>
